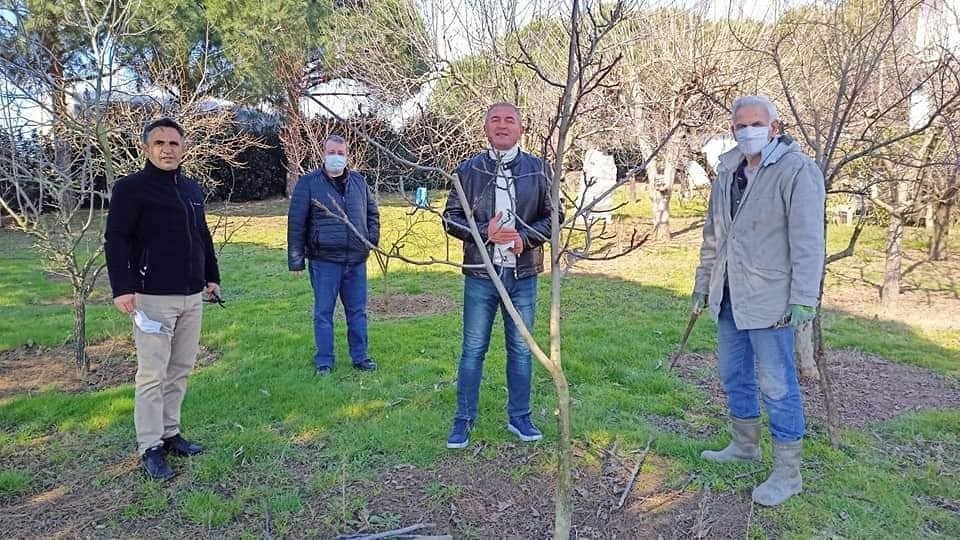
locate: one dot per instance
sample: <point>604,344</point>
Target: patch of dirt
<point>867,388</point>
<point>405,306</point>
<point>510,495</point>
<point>687,426</point>
<point>29,370</point>
<point>931,307</point>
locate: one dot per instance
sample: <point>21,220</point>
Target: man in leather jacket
<point>509,194</point>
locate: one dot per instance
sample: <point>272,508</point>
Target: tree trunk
<point>826,384</point>
<point>820,359</point>
<point>806,363</point>
<point>661,190</point>
<point>292,177</point>
<point>890,292</point>
<point>80,335</point>
<point>564,503</point>
<point>942,220</point>
<point>632,188</point>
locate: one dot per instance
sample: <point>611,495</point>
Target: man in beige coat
<point>761,263</point>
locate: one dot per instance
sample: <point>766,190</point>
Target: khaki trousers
<point>163,364</point>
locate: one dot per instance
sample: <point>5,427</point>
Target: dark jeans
<point>480,304</point>
<point>349,282</point>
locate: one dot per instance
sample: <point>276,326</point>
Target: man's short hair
<point>166,122</point>
<point>754,101</point>
<point>490,109</point>
<point>338,139</point>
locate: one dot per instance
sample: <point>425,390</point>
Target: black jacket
<point>312,233</point>
<point>157,240</point>
<point>532,184</point>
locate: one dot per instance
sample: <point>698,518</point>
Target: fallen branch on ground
<point>633,475</point>
<point>386,534</point>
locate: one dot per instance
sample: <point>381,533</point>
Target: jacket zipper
<point>186,219</point>
<point>346,230</point>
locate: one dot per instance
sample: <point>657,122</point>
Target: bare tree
<point>847,73</point>
<point>945,193</point>
<point>57,181</point>
<point>590,57</point>
<point>59,161</point>
<point>680,70</point>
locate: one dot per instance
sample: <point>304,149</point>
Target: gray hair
<point>338,139</point>
<point>507,104</point>
<point>166,122</point>
<point>754,101</point>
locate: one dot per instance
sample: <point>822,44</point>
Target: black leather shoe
<point>366,365</point>
<point>155,464</point>
<point>323,371</point>
<point>181,447</point>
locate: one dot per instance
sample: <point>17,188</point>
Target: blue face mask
<point>335,163</point>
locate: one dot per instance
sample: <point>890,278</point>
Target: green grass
<point>13,483</point>
<point>207,508</point>
<point>263,416</point>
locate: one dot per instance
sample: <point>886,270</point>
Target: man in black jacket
<point>509,194</point>
<point>337,251</point>
<point>161,260</point>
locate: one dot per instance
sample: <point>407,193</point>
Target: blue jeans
<point>740,353</point>
<point>349,281</point>
<point>480,304</point>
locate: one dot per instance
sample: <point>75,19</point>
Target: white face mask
<point>335,163</point>
<point>149,326</point>
<point>752,139</point>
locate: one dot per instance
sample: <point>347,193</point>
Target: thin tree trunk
<point>564,502</point>
<point>806,363</point>
<point>890,291</point>
<point>80,335</point>
<point>660,194</point>
<point>826,384</point>
<point>942,221</point>
<point>820,358</point>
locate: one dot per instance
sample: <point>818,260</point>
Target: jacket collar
<point>155,172</point>
<point>345,175</point>
<point>490,163</point>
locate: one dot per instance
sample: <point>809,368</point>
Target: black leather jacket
<point>532,184</point>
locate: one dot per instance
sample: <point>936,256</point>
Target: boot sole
<point>771,505</point>
<point>159,478</point>
<point>458,446</point>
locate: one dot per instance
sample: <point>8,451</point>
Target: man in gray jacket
<point>760,268</point>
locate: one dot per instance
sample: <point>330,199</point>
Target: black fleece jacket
<point>157,240</point>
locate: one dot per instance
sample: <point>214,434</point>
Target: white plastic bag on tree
<point>599,175</point>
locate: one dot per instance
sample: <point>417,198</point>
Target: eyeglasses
<point>214,299</point>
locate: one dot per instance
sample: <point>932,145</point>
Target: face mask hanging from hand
<point>752,139</point>
<point>335,163</point>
